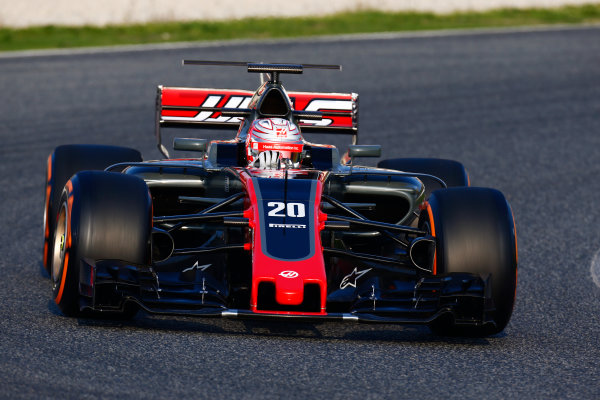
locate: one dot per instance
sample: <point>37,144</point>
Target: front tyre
<point>475,233</point>
<point>63,163</point>
<point>102,215</point>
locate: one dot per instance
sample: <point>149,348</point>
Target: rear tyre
<point>102,215</point>
<point>475,233</point>
<point>62,164</point>
<point>451,172</point>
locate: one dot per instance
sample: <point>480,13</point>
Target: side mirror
<point>364,150</point>
<point>190,144</point>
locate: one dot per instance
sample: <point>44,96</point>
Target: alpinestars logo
<point>200,267</point>
<point>352,278</point>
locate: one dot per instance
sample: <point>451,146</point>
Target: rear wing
<point>226,108</point>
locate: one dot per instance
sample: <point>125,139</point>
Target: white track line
<point>595,268</point>
<point>306,39</point>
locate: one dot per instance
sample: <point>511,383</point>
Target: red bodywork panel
<point>289,277</point>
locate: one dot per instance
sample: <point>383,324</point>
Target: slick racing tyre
<point>451,172</point>
<point>101,215</point>
<point>62,164</point>
<point>475,233</point>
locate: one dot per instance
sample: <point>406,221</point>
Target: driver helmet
<point>278,136</point>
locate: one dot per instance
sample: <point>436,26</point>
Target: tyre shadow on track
<point>43,271</point>
<point>329,331</point>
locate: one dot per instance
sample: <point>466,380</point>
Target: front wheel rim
<point>59,246</point>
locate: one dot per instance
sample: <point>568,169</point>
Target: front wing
<point>108,285</point>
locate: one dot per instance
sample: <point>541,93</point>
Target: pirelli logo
<point>292,226</point>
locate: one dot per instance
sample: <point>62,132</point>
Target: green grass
<point>253,28</point>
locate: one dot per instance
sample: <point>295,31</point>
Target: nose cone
<point>289,288</point>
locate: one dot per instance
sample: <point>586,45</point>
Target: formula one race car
<point>268,225</point>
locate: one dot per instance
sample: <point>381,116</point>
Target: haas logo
<point>281,132</point>
<point>288,274</point>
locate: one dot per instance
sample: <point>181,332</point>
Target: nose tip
<point>289,288</point>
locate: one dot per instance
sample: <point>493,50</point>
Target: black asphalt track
<point>521,110</point>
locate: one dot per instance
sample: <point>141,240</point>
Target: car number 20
<point>295,210</point>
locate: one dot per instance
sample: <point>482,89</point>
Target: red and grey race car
<point>269,225</point>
